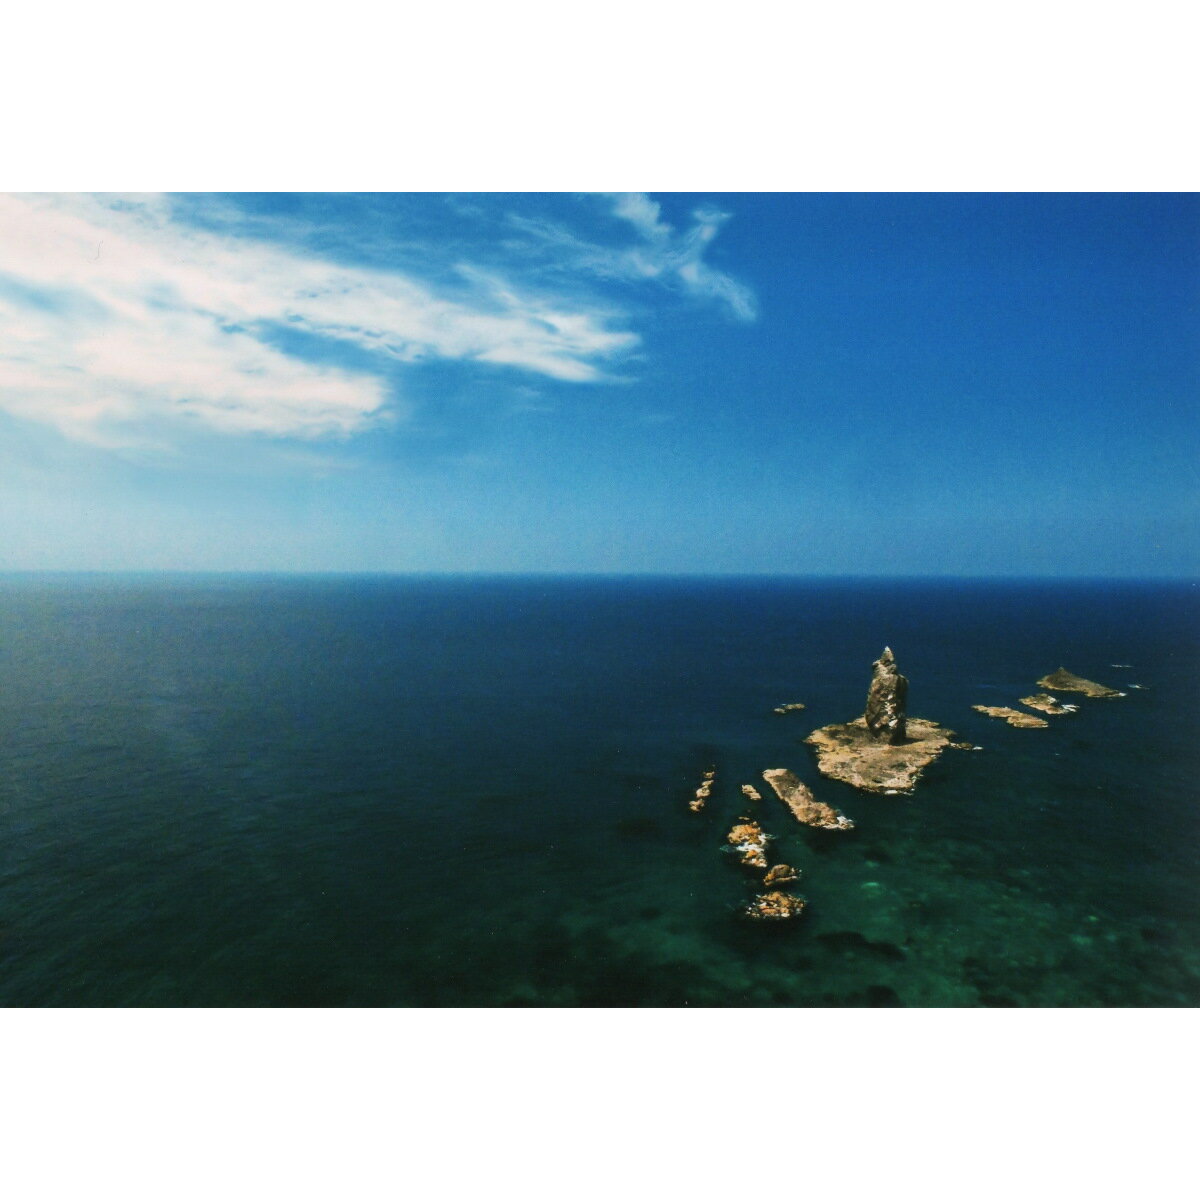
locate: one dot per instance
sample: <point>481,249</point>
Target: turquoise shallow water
<point>379,791</point>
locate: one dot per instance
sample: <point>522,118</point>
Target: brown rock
<point>1012,716</point>
<point>887,700</point>
<point>749,843</point>
<point>780,873</point>
<point>774,906</point>
<point>751,793</point>
<point>1050,705</point>
<point>1063,681</point>
<point>704,790</point>
<point>804,806</point>
<point>787,708</point>
<point>849,753</point>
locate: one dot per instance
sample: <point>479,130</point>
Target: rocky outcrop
<point>1050,705</point>
<point>883,750</point>
<point>887,700</point>
<point>1063,681</point>
<point>850,754</point>
<point>703,791</point>
<point>774,906</point>
<point>751,792</point>
<point>803,805</point>
<point>749,844</point>
<point>1012,716</point>
<point>780,874</point>
<point>787,708</point>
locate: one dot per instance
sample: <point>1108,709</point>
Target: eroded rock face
<point>805,807</point>
<point>887,700</point>
<point>774,906</point>
<point>1018,719</point>
<point>1050,705</point>
<point>850,753</point>
<point>1063,681</point>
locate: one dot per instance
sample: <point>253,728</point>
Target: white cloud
<point>115,319</point>
<point>659,253</point>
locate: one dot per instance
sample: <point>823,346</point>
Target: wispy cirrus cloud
<point>116,317</point>
<point>658,252</point>
<point>120,319</point>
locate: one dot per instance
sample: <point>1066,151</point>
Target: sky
<point>862,384</point>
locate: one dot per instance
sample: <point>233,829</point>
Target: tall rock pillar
<point>887,699</point>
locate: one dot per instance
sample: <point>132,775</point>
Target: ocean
<point>472,791</point>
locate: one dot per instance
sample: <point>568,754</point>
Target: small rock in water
<point>1018,719</point>
<point>780,873</point>
<point>1050,705</point>
<point>749,843</point>
<point>787,708</point>
<point>751,793</point>
<point>703,791</point>
<point>774,906</point>
<point>804,806</point>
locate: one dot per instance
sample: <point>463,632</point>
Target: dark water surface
<point>383,791</point>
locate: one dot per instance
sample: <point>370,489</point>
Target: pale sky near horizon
<point>740,383</point>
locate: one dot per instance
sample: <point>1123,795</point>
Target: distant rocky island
<point>1063,681</point>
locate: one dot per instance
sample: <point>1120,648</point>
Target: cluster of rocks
<point>749,844</point>
<point>1061,680</point>
<point>883,751</point>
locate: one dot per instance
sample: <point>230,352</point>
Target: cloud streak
<point>122,323</point>
<point>114,317</point>
<point>659,253</point>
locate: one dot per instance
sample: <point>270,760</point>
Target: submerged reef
<point>804,806</point>
<point>884,750</point>
<point>1051,705</point>
<point>1063,681</point>
<point>1014,717</point>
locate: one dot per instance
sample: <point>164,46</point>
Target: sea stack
<point>887,700</point>
<point>884,750</point>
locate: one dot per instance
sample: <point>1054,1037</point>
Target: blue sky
<point>759,383</point>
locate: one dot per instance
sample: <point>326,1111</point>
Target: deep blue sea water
<point>473,791</point>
